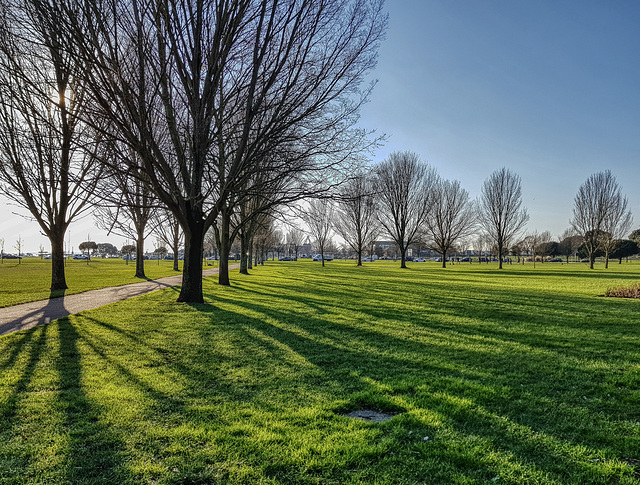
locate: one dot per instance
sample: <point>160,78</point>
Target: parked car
<point>420,260</point>
<point>12,256</point>
<point>80,256</point>
<point>556,260</point>
<point>286,258</point>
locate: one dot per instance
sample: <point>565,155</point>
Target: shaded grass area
<point>518,376</point>
<point>31,280</point>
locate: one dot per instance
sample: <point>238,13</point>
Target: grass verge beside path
<point>31,280</point>
<point>522,376</point>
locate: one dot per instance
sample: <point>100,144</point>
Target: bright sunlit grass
<point>521,376</point>
<point>31,280</point>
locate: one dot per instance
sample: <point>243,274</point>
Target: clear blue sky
<point>549,89</point>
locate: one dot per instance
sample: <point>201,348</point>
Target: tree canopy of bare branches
<point>404,188</point>
<point>168,230</point>
<point>600,213</point>
<point>534,240</point>
<point>205,91</point>
<point>355,217</point>
<point>125,203</point>
<point>452,216</point>
<point>319,218</point>
<point>501,213</point>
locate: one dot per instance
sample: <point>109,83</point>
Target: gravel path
<point>28,315</point>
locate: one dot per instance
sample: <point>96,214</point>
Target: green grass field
<point>522,376</point>
<point>31,280</point>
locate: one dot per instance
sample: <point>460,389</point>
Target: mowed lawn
<point>516,376</point>
<point>31,279</point>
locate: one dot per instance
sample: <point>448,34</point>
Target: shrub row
<point>632,291</point>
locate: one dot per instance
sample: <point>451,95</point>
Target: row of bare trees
<point>415,203</point>
<point>404,199</point>
<point>220,111</point>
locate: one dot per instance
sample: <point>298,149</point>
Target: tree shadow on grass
<point>16,458</point>
<point>504,313</point>
<point>93,453</point>
<point>46,406</point>
<point>533,423</point>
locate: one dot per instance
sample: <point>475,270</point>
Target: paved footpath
<point>28,315</point>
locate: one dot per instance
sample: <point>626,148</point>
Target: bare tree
<point>249,207</point>
<point>18,246</point>
<point>159,250</point>
<point>600,210</point>
<point>127,203</point>
<point>210,247</point>
<point>452,216</point>
<point>404,188</point>
<point>319,218</point>
<point>479,245</point>
<point>295,237</point>
<point>251,217</point>
<point>534,240</point>
<point>46,165</point>
<point>204,92</point>
<point>501,213</point>
<point>355,217</point>
<point>277,243</point>
<point>264,240</point>
<point>168,229</point>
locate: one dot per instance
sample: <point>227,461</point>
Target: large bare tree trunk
<point>140,256</point>
<point>58,279</point>
<point>191,291</point>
